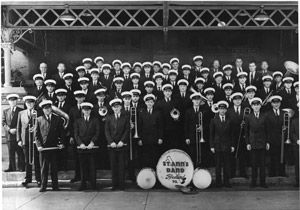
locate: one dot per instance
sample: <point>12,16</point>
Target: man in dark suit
<point>173,81</point>
<point>86,132</point>
<point>228,89</point>
<point>215,68</point>
<point>238,68</point>
<point>277,84</point>
<point>166,106</point>
<point>39,87</point>
<point>74,114</point>
<point>159,82</point>
<point>117,88</point>
<point>295,143</point>
<point>217,85</point>
<point>240,85</point>
<point>9,122</point>
<point>265,91</point>
<point>274,122</point>
<point>221,143</point>
<point>81,72</point>
<point>25,128</point>
<point>228,78</point>
<point>175,63</point>
<point>49,133</point>
<point>148,74</point>
<point>287,92</point>
<point>50,94</point>
<point>264,69</point>
<point>208,82</point>
<point>89,95</point>
<point>126,67</point>
<point>60,74</point>
<point>43,71</point>
<point>94,83</point>
<point>198,61</point>
<point>236,114</point>
<point>117,68</point>
<point>257,142</point>
<point>135,82</point>
<point>186,74</point>
<point>254,76</point>
<point>150,129</point>
<point>107,79</point>
<point>70,87</point>
<point>117,133</point>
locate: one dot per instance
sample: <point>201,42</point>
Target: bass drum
<point>175,169</point>
<point>202,178</point>
<point>146,178</point>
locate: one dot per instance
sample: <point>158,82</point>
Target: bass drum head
<point>175,169</point>
<point>202,178</point>
<point>146,178</point>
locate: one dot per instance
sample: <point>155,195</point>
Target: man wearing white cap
<point>84,84</point>
<point>173,80</point>
<point>278,84</point>
<point>197,60</point>
<point>228,78</point>
<point>165,70</point>
<point>117,135</point>
<point>70,87</point>
<point>217,85</point>
<point>25,127</point>
<point>265,91</point>
<point>86,133</point>
<point>221,143</point>
<point>39,87</point>
<point>137,67</point>
<point>99,62</point>
<point>241,85</point>
<point>9,122</point>
<point>126,68</point>
<point>126,97</point>
<point>228,88</point>
<point>94,83</point>
<point>287,92</point>
<point>159,82</point>
<point>274,123</point>
<point>150,129</point>
<point>257,142</point>
<point>50,86</point>
<point>87,63</point>
<point>117,88</point>
<point>204,73</point>
<point>148,74</point>
<point>186,74</point>
<point>250,93</point>
<point>58,77</point>
<point>156,67</point>
<point>135,81</point>
<point>49,133</point>
<point>175,63</point>
<point>106,79</point>
<point>117,68</point>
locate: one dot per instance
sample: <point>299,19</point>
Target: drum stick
<point>117,147</point>
<point>49,148</point>
<point>94,147</point>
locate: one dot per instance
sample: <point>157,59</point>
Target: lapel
<point>9,114</point>
<point>256,121</point>
<point>25,117</point>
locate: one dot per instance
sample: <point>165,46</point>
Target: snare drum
<point>146,178</point>
<point>202,178</point>
<point>175,169</point>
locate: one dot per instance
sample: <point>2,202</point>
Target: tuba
<point>175,114</point>
<point>291,68</point>
<point>63,115</point>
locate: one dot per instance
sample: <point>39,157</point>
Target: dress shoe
<point>75,179</point>
<point>38,183</point>
<point>228,185</point>
<point>252,185</point>
<point>264,186</point>
<point>8,170</point>
<point>25,182</point>
<point>42,190</point>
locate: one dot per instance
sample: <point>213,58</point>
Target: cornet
<point>31,141</point>
<point>103,111</point>
<point>175,114</point>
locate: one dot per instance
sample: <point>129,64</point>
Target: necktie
<point>86,119</point>
<point>59,105</point>
<point>289,91</point>
<point>149,111</point>
<point>196,109</point>
<point>13,111</point>
<point>251,77</point>
<point>223,119</point>
<point>48,119</point>
<point>182,95</point>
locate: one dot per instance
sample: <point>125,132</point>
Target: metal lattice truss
<point>156,17</point>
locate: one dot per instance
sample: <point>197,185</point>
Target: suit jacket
<point>235,71</point>
<point>117,130</point>
<point>274,127</point>
<point>74,114</point>
<point>285,103</point>
<point>150,127</point>
<point>183,104</point>
<point>236,120</point>
<point>231,80</point>
<point>86,132</point>
<point>53,99</point>
<point>295,131</point>
<point>59,81</point>
<point>10,121</point>
<point>293,104</point>
<point>49,134</point>
<point>237,88</point>
<point>107,82</point>
<point>93,88</point>
<point>190,121</point>
<point>221,135</point>
<point>23,127</point>
<point>256,131</point>
<point>257,81</point>
<point>270,73</point>
<point>212,71</point>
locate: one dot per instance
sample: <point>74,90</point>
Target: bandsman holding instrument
<point>9,122</point>
<point>287,92</point>
<point>50,94</point>
<point>49,136</point>
<point>277,84</point>
<point>221,143</point>
<point>150,129</point>
<point>117,128</point>
<point>86,133</point>
<point>250,93</point>
<point>25,138</point>
<point>257,141</point>
<point>265,93</point>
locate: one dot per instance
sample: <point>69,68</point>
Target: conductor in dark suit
<point>117,133</point>
<point>49,133</point>
<point>221,143</point>
<point>9,122</point>
<point>150,129</point>
<point>257,142</point>
<point>86,132</point>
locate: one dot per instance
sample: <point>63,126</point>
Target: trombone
<point>247,111</point>
<point>199,130</point>
<point>288,114</point>
<point>31,141</point>
<point>133,113</point>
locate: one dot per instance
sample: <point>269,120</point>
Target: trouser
<point>48,160</point>
<point>132,163</point>
<point>76,161</point>
<point>276,168</point>
<point>28,166</point>
<point>150,155</point>
<point>296,156</point>
<point>222,159</point>
<point>63,157</point>
<point>258,160</point>
<point>117,162</point>
<point>170,140</point>
<point>13,148</point>
<point>87,168</point>
<point>242,159</point>
<point>204,156</point>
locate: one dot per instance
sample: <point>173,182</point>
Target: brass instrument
<point>103,111</point>
<point>291,68</point>
<point>199,129</point>
<point>63,115</point>
<point>264,103</point>
<point>175,114</point>
<point>31,140</point>
<point>133,113</point>
<point>214,108</point>
<point>247,111</point>
<point>288,114</point>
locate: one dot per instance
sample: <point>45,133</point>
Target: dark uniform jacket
<point>117,130</point>
<point>295,131</point>
<point>86,132</point>
<point>274,127</point>
<point>10,121</point>
<point>74,114</point>
<point>190,121</point>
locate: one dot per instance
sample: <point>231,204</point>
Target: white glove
<point>113,145</point>
<point>13,131</point>
<point>212,150</point>
<point>120,144</point>
<point>82,146</point>
<point>72,140</point>
<point>232,149</point>
<point>140,143</point>
<point>90,146</point>
<point>298,142</point>
<point>248,147</point>
<point>187,141</point>
<point>160,141</point>
<point>267,146</point>
<point>20,143</point>
<point>61,146</point>
<point>40,149</point>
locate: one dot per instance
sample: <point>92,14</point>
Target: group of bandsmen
<point>162,106</point>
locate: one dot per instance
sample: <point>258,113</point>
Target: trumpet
<point>175,114</point>
<point>103,111</point>
<point>133,113</point>
<point>247,111</point>
<point>199,129</point>
<point>31,140</point>
<point>288,114</point>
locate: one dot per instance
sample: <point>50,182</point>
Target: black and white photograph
<point>149,105</point>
